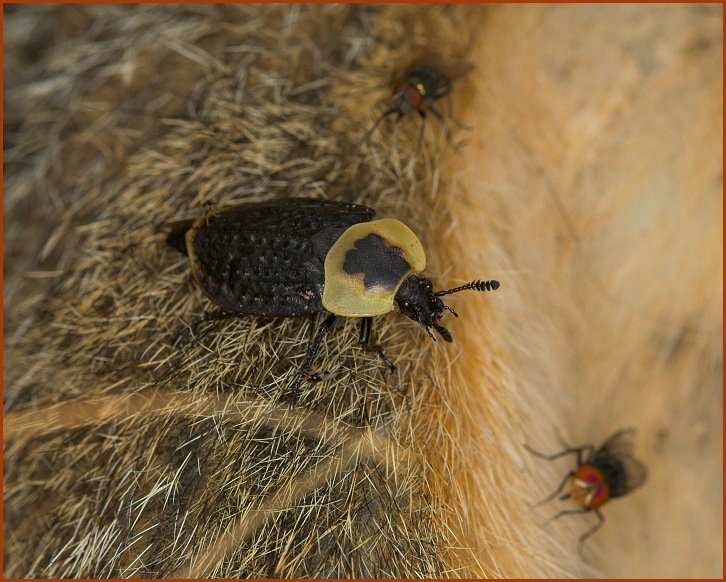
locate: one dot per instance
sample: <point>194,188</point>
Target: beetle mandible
<point>295,257</point>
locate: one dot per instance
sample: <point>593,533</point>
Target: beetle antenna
<point>477,285</point>
<point>381,118</point>
<point>428,331</point>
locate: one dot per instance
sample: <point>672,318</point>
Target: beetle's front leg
<point>365,336</point>
<point>313,350</point>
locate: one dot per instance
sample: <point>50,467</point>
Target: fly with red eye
<point>418,88</point>
<point>609,472</point>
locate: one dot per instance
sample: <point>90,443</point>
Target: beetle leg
<point>365,330</point>
<point>365,336</point>
<point>313,350</point>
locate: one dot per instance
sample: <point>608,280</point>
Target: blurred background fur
<point>589,184</point>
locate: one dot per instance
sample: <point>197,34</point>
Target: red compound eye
<point>588,487</point>
<point>414,97</point>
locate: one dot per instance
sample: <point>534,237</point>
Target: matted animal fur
<point>589,184</point>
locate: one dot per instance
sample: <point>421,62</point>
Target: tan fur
<point>590,186</point>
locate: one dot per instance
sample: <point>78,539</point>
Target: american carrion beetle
<point>294,257</point>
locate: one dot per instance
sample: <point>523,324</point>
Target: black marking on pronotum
<point>381,265</point>
<point>600,475</point>
<point>294,257</point>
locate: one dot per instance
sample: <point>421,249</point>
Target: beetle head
<point>416,299</point>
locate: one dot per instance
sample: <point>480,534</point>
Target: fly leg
<point>422,113</point>
<point>568,451</point>
<point>568,512</point>
<point>557,491</point>
<point>451,115</point>
<point>588,533</point>
<point>391,111</point>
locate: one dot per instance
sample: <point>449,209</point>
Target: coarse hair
<point>578,161</point>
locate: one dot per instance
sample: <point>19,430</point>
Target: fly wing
<point>620,447</point>
<point>635,475</point>
<point>267,258</point>
<point>621,443</point>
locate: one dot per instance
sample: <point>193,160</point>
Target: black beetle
<point>606,473</point>
<point>417,90</point>
<point>294,257</point>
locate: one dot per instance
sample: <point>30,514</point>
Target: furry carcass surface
<point>579,162</point>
